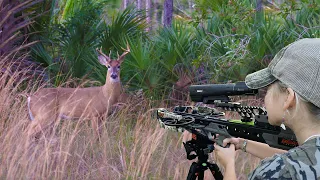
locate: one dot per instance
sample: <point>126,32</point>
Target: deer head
<point>113,65</point>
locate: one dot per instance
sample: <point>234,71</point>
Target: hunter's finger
<point>226,141</point>
<point>217,147</point>
<point>232,146</point>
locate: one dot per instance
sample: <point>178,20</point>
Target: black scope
<point>211,92</point>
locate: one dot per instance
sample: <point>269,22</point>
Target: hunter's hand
<point>238,142</point>
<point>226,156</point>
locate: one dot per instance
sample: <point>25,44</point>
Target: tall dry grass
<point>132,145</point>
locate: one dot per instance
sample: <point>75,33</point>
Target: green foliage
<point>69,8</point>
<point>175,45</point>
<point>230,37</point>
<point>66,47</point>
<point>78,38</point>
<point>125,25</point>
<point>41,30</point>
<point>142,68</point>
<point>238,40</point>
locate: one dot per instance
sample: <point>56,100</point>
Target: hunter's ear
<point>290,100</point>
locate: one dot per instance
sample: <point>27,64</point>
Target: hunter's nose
<point>114,76</point>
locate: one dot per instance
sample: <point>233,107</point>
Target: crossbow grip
<point>217,133</point>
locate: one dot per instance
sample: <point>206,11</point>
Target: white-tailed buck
<point>49,104</point>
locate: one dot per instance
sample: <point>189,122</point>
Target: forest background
<point>174,43</point>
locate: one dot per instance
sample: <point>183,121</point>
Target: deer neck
<point>112,89</point>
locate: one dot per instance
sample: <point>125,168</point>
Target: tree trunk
<point>259,5</point>
<point>139,4</point>
<point>190,3</point>
<point>155,12</point>
<point>259,12</point>
<point>125,4</point>
<point>168,13</point>
<point>148,14</point>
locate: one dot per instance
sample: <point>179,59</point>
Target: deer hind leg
<point>41,125</point>
<point>44,117</point>
<point>37,129</point>
<point>34,129</point>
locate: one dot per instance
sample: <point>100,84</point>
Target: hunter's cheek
<point>267,102</point>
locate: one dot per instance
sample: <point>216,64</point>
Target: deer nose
<point>114,76</point>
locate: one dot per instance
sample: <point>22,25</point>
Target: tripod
<point>197,168</point>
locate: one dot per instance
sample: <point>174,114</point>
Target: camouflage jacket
<point>302,162</point>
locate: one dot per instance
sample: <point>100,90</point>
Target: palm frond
<point>127,24</point>
<point>11,23</point>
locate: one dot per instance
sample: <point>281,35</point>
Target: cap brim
<point>260,79</point>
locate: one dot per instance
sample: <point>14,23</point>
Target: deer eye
<point>118,67</point>
<point>108,67</point>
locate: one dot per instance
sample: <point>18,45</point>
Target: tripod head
<point>198,147</point>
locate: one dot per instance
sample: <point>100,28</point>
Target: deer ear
<point>102,59</point>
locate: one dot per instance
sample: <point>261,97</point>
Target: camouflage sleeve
<point>300,163</point>
<point>270,168</point>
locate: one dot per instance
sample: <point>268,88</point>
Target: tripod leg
<point>193,171</point>
<point>201,175</point>
<point>196,171</point>
<point>215,171</point>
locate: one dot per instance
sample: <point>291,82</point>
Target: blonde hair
<point>301,102</point>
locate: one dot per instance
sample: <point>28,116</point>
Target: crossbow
<point>205,123</point>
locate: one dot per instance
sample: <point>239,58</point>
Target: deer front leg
<point>96,126</point>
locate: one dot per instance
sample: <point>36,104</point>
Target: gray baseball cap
<point>296,65</point>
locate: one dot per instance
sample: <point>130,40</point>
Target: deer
<point>50,104</point>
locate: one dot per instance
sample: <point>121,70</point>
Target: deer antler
<point>128,48</point>
<point>126,51</point>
